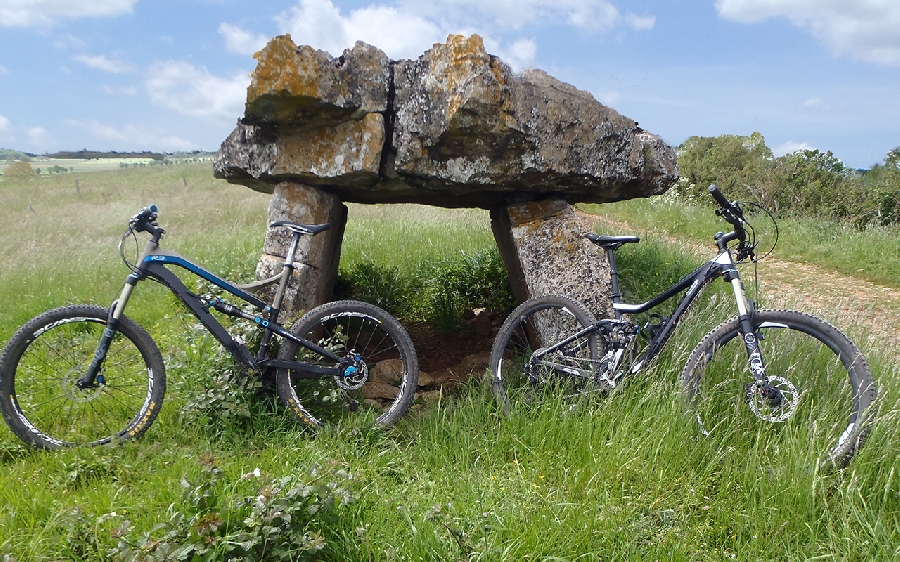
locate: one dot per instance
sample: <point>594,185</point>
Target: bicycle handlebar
<point>145,221</point>
<point>733,214</point>
<point>147,213</point>
<point>719,196</point>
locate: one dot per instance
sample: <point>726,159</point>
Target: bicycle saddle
<point>611,241</point>
<point>310,229</point>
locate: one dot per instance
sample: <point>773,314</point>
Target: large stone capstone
<point>453,128</point>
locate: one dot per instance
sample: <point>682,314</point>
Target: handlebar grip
<point>148,212</point>
<point>719,197</point>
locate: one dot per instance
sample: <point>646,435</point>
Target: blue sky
<point>168,75</point>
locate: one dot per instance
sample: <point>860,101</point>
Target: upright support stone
<point>317,258</point>
<point>543,246</point>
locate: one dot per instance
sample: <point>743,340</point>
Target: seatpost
<point>614,278</point>
<point>288,272</point>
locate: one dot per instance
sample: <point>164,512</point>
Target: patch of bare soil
<point>448,359</point>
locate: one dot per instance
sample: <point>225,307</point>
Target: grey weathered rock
<point>317,257</point>
<point>545,252</point>
<point>300,89</point>
<point>454,128</point>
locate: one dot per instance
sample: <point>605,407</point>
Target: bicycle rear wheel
<point>40,365</point>
<point>827,392</point>
<point>521,374</point>
<point>383,378</point>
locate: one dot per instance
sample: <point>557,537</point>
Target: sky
<point>171,75</point>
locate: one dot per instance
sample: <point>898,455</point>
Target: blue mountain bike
<point>86,375</point>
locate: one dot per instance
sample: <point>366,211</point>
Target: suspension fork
<point>93,376</point>
<point>746,313</point>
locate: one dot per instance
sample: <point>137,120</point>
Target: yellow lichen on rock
<point>351,147</point>
<point>284,68</point>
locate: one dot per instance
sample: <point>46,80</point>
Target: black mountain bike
<point>761,368</point>
<point>85,375</point>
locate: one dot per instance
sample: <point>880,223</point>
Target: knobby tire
<point>42,361</point>
<point>827,387</point>
<point>384,381</point>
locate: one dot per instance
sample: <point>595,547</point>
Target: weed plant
<point>623,476</point>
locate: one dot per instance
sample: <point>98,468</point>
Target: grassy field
<point>78,165</point>
<point>628,478</point>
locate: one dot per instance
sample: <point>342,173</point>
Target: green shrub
<point>19,170</point>
<point>255,518</point>
<point>383,286</point>
<point>434,291</point>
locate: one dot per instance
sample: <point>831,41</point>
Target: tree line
<point>806,182</point>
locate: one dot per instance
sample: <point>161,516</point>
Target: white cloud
<point>864,29</point>
<point>519,55</point>
<point>38,138</point>
<point>640,22</point>
<point>608,98</point>
<point>414,26</point>
<point>319,23</point>
<point>44,13</point>
<point>790,147</point>
<point>100,62</point>
<point>240,41</point>
<point>194,91</point>
<point>133,137</point>
<point>69,42</point>
<point>815,103</point>
<point>399,34</point>
<point>6,129</point>
<point>3,70</point>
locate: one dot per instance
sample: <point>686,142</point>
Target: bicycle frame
<point>723,265</point>
<point>153,265</point>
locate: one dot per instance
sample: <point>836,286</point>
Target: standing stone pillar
<point>317,258</point>
<point>544,250</point>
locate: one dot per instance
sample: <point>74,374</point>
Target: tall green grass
<point>626,478</point>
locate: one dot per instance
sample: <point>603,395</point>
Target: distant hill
<point>10,154</point>
<point>85,154</point>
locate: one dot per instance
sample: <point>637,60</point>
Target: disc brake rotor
<point>355,375</point>
<point>763,407</point>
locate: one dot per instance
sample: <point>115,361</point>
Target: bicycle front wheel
<point>536,353</point>
<point>39,368</point>
<point>380,380</point>
<point>823,406</point>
